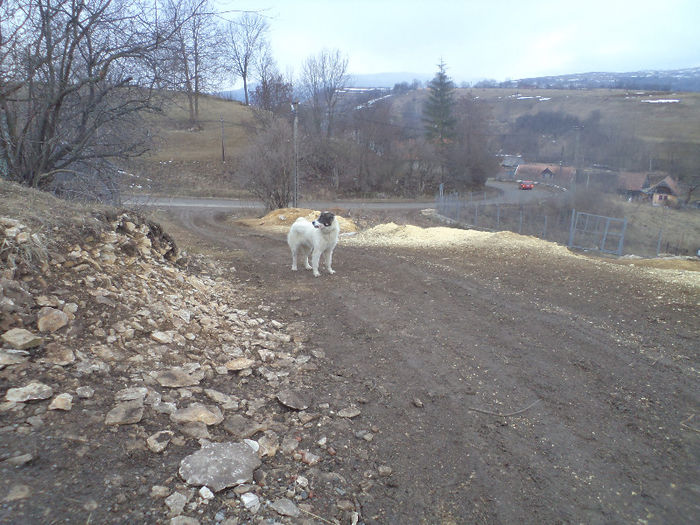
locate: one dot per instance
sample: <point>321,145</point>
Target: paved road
<point>509,194</point>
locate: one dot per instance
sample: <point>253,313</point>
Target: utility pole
<point>577,155</point>
<point>223,154</point>
<point>295,195</point>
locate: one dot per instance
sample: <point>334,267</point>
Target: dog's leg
<point>306,261</point>
<point>294,259</point>
<point>329,260</point>
<point>315,259</point>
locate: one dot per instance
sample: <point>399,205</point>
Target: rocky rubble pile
<point>135,390</point>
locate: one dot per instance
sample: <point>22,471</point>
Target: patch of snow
<point>662,101</point>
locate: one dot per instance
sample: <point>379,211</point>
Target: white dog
<point>315,238</point>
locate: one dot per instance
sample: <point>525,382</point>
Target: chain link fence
<point>563,225</point>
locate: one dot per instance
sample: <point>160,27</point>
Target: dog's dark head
<point>324,220</point>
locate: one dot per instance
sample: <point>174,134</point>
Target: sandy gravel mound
<point>509,244</point>
<point>409,236</point>
<point>283,218</point>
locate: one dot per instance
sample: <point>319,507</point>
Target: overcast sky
<point>477,39</point>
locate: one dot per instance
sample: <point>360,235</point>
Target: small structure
<point>546,172</point>
<point>660,188</point>
<point>662,192</point>
<point>509,163</point>
<point>631,184</point>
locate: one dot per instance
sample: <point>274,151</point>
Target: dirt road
<point>592,367</point>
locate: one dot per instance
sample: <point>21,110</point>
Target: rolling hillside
<point>186,160</point>
<point>650,116</point>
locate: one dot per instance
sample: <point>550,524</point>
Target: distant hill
<point>234,94</point>
<point>377,80</point>
<point>670,80</point>
<point>387,80</point>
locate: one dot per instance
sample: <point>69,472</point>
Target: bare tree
<point>246,42</point>
<point>274,94</point>
<point>189,61</point>
<point>76,77</point>
<point>374,161</point>
<point>268,164</point>
<point>323,78</point>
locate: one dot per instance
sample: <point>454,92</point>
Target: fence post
<point>658,243</point>
<point>572,228</point>
<point>476,214</point>
<point>498,216</point>
<point>544,233</point>
<point>622,238</point>
<point>520,227</point>
<point>605,234</point>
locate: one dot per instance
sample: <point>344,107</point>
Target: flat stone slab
<point>126,413</point>
<point>33,391</point>
<point>21,339</point>
<point>12,358</point>
<point>240,363</point>
<point>177,377</point>
<point>220,465</point>
<point>293,400</point>
<point>197,412</point>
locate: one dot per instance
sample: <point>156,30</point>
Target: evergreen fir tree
<point>438,116</point>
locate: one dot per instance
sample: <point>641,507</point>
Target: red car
<point>526,185</point>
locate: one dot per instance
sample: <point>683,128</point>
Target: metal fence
<point>564,226</point>
<point>526,220</point>
<point>597,232</point>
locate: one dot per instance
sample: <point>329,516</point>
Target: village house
<point>555,173</point>
<point>509,163</point>
<point>660,188</point>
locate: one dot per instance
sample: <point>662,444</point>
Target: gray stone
<point>269,443</point>
<point>12,358</point>
<point>285,507</point>
<point>195,430</point>
<point>162,337</point>
<point>292,399</point>
<point>184,520</point>
<point>220,465</point>
<point>131,394</point>
<point>126,413</point>
<point>206,494</point>
<point>51,320</point>
<point>18,492</point>
<point>21,339</point>
<point>159,491</point>
<point>289,444</point>
<point>56,354</point>
<point>196,412</point>
<point>250,501</point>
<point>241,427</point>
<point>85,392</point>
<point>158,441</point>
<point>92,366</point>
<point>240,363</point>
<point>226,401</point>
<point>62,402</point>
<point>32,391</point>
<point>349,412</point>
<point>20,460</point>
<point>384,470</point>
<point>176,503</point>
<point>177,377</point>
